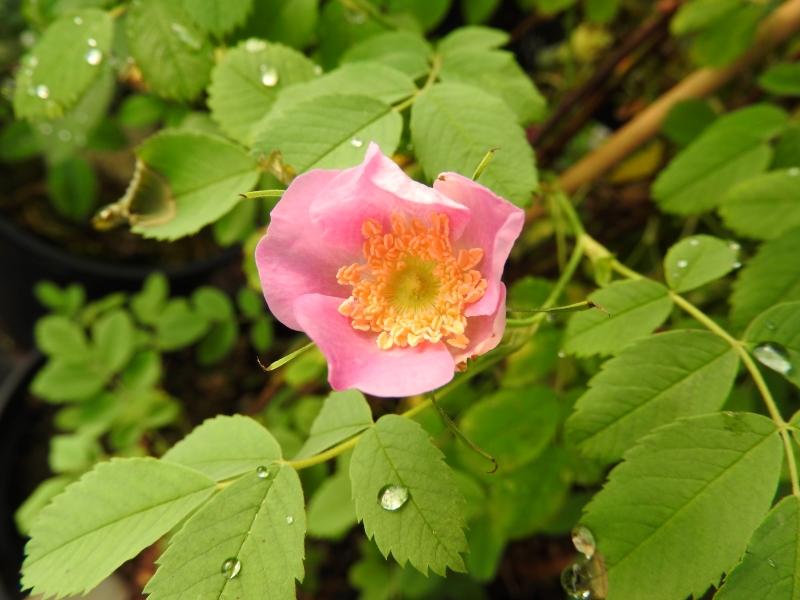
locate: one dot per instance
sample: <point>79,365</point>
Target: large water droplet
<point>392,497</point>
<point>583,540</point>
<point>269,76</point>
<point>268,472</point>
<point>577,581</point>
<point>185,36</point>
<point>94,57</point>
<point>42,91</point>
<point>774,356</point>
<point>356,143</point>
<point>254,45</point>
<point>682,263</point>
<point>231,567</point>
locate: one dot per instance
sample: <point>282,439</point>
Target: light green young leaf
<point>498,73</point>
<point>213,303</point>
<point>226,446</point>
<point>60,336</point>
<point>255,525</point>
<point>728,37</point>
<point>114,340</point>
<point>205,174</point>
<point>772,276</point>
<point>44,493</point>
<point>148,303</point>
<point>427,530</point>
<point>764,206</point>
<point>64,380</point>
<point>62,66</point>
<point>330,132</point>
<point>697,260</point>
<point>403,50</point>
<point>730,150</point>
<point>218,17</point>
<point>74,453</point>
<point>178,325</point>
<point>246,82</point>
<point>651,383</point>
<point>343,415</point>
<point>513,425</point>
<point>782,79</point>
<point>174,55</point>
<point>106,518</point>
<point>699,14</point>
<point>454,125</point>
<point>330,511</point>
<point>708,479</point>
<point>366,78</point>
<point>768,570</point>
<point>774,337</point>
<point>630,310</point>
<point>473,37</point>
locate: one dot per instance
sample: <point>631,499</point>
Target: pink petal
<point>355,361</point>
<point>291,259</point>
<point>494,225</point>
<point>376,189</point>
<point>484,332</point>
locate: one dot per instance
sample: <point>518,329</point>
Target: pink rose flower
<point>396,282</point>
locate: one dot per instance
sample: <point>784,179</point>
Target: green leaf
<point>728,37</point>
<point>772,276</point>
<point>141,110</point>
<point>106,518</point>
<point>730,150</point>
<point>427,530</point>
<point>768,570</point>
<point>330,131</point>
<point>699,14</point>
<point>44,493</point>
<point>63,380</point>
<point>257,524</point>
<point>707,479</point>
<point>179,326</point>
<point>73,453</point>
<point>366,78</point>
<point>632,310</point>
<point>218,17</point>
<point>602,11</point>
<point>403,50</point>
<point>290,22</point>
<point>428,13</point>
<point>473,37</point>
<point>687,120</point>
<point>114,340</point>
<point>514,426</point>
<point>782,79</point>
<point>486,544</point>
<point>174,55</point>
<point>779,327</point>
<point>62,65</point>
<point>478,11</point>
<point>787,150</point>
<point>651,383</point>
<point>226,446</point>
<point>498,73</point>
<point>343,415</point>
<point>143,370</point>
<point>246,82</point>
<point>213,304</point>
<point>60,336</point>
<point>330,511</point>
<point>454,125</point>
<point>218,342</point>
<point>764,206</point>
<point>148,304</point>
<point>72,187</point>
<point>205,174</point>
<point>697,260</point>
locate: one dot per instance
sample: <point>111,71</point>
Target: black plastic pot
<point>26,260</point>
<point>23,461</point>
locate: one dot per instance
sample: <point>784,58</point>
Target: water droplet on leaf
<point>694,242</point>
<point>393,497</point>
<point>42,91</point>
<point>356,143</point>
<point>231,567</point>
<point>774,356</point>
<point>576,581</point>
<point>254,45</point>
<point>92,42</point>
<point>268,472</point>
<point>583,540</point>
<point>185,36</point>
<point>289,519</point>
<point>771,563</point>
<point>682,263</point>
<point>94,57</point>
<point>269,76</point>
<point>736,265</point>
<point>77,21</point>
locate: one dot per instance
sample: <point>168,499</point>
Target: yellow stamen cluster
<point>412,287</point>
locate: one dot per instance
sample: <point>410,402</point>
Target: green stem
<point>451,425</point>
<point>433,74</point>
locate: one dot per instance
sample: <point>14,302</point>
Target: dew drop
<point>736,265</point>
<point>185,36</point>
<point>254,45</point>
<point>231,567</point>
<point>92,42</point>
<point>42,91</point>
<point>269,76</point>
<point>356,17</point>
<point>268,472</point>
<point>771,563</point>
<point>94,57</point>
<point>317,70</point>
<point>356,143</point>
<point>32,61</point>
<point>583,540</point>
<point>576,580</point>
<point>392,497</point>
<point>793,172</point>
<point>682,263</point>
<point>64,135</point>
<point>561,354</point>
<point>694,242</point>
<point>289,519</point>
<point>735,246</point>
<point>77,21</point>
<point>774,356</point>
